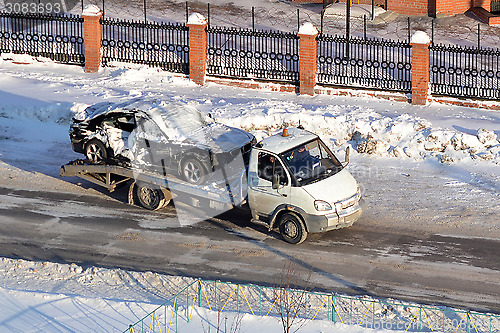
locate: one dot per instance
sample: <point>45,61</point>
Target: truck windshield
<point>311,162</point>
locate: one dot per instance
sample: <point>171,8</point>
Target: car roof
<point>130,106</point>
<point>278,143</point>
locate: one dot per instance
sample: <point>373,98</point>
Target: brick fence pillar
<point>92,38</point>
<point>420,63</point>
<point>197,48</point>
<point>308,58</point>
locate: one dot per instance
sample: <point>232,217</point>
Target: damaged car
<point>158,136</point>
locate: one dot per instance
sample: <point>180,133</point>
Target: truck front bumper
<point>345,218</point>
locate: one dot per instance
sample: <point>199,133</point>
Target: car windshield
<point>184,118</point>
<point>311,162</point>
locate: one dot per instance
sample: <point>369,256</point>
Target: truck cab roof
<point>279,143</point>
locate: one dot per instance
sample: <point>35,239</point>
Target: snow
<point>448,155</point>
<point>92,10</point>
<point>51,297</point>
<point>308,29</point>
<point>357,11</point>
<point>197,19</point>
<point>420,37</point>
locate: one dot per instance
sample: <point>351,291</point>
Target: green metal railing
<point>366,312</point>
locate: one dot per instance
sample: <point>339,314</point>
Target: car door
<point>263,198</point>
<point>151,149</point>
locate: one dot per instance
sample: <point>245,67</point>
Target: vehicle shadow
<point>274,244</point>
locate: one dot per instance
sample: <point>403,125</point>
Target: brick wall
<point>409,7</point>
<point>366,2</point>
<point>447,7</point>
<point>486,4</point>
<point>406,7</point>
<point>425,7</point>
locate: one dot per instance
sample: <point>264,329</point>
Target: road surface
<point>369,259</point>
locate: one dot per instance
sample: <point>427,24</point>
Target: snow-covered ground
<point>50,297</point>
<point>433,168</point>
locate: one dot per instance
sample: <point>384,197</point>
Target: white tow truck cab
<point>297,184</point>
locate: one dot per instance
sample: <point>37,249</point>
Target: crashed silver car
<point>162,137</point>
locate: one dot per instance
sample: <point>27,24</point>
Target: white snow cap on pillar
<point>420,37</point>
<point>92,10</point>
<point>308,28</point>
<point>197,19</point>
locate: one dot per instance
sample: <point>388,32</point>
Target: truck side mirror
<point>276,181</point>
<point>347,153</point>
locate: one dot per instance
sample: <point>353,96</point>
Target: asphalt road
<point>101,230</point>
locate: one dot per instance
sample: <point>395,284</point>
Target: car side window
<point>121,122</point>
<point>147,129</point>
<point>268,165</point>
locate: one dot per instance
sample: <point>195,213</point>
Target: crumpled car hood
<point>220,138</point>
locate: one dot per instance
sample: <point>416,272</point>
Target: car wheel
<point>95,151</point>
<point>150,198</point>
<point>192,170</point>
<point>292,229</point>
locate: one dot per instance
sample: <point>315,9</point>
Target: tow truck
<point>293,182</point>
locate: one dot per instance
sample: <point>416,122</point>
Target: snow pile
<point>420,37</point>
<point>308,29</point>
<point>367,131</point>
<point>92,10</point>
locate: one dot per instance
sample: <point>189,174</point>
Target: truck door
<point>263,199</point>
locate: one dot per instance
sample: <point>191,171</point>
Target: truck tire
<point>95,151</point>
<point>292,228</point>
<point>150,198</point>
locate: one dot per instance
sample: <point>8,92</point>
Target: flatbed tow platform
<point>154,191</point>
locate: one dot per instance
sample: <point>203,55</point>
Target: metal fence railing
<point>242,53</point>
<point>367,63</point>
<point>58,37</point>
<point>365,312</point>
<point>162,45</point>
<point>465,71</point>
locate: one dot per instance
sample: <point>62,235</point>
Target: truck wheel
<point>192,170</point>
<point>292,229</point>
<point>95,151</point>
<point>150,198</point>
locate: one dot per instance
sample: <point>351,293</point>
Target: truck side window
<point>269,164</point>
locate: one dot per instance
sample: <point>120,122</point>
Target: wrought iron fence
<point>495,6</point>
<point>176,313</point>
<point>465,72</point>
<point>58,37</point>
<point>242,53</point>
<point>162,45</point>
<point>367,63</point>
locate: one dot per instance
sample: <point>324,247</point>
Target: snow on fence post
<point>197,48</point>
<point>92,37</point>
<point>308,58</point>
<point>420,63</point>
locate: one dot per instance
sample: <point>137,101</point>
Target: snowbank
<point>368,132</point>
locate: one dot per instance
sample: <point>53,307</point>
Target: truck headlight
<point>322,205</point>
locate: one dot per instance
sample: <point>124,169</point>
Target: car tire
<point>292,228</point>
<point>150,198</point>
<point>192,171</point>
<point>95,151</point>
